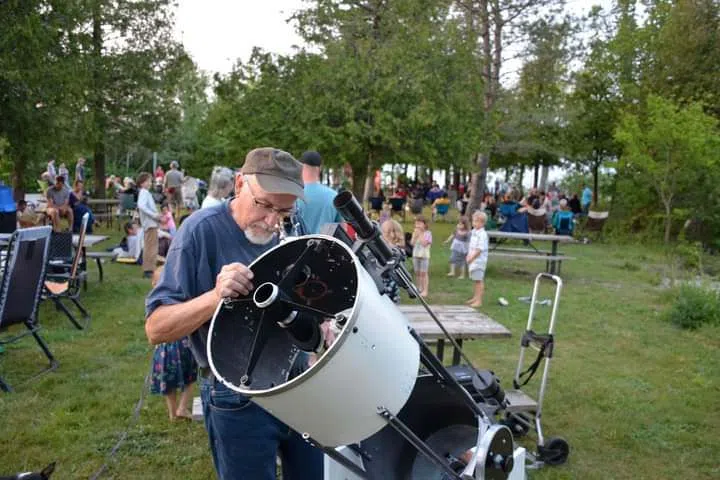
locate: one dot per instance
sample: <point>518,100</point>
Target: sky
<point>218,32</point>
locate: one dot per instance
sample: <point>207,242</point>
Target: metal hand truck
<point>524,412</point>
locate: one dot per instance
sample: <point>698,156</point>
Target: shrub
<point>693,307</point>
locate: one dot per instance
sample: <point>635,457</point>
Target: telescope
<point>376,400</point>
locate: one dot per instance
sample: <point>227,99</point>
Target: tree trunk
<point>596,167</point>
<point>99,167</point>
<point>482,160</point>
<point>359,175</point>
<point>369,181</point>
<point>18,180</point>
<point>520,180</point>
<point>97,104</point>
<point>536,173</point>
<point>456,177</point>
<point>668,222</point>
<point>544,177</point>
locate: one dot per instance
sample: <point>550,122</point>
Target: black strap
<point>545,347</point>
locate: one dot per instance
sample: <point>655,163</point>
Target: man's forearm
<point>169,323</point>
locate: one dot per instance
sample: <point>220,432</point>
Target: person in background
<point>80,207</point>
<point>25,216</point>
<point>421,241</point>
<point>80,170</point>
<point>149,221</point>
<point>51,171</point>
<point>317,209</point>
<point>459,248</point>
<point>167,223</point>
<point>574,205</point>
<point>439,201</point>
<point>587,196</point>
<point>62,170</point>
<point>222,181</point>
<point>159,175</point>
<point>174,369</point>
<point>172,185</point>
<point>78,192</point>
<point>58,203</point>
<point>130,245</point>
<point>477,257</point>
<point>563,220</point>
<point>393,235</point>
<point>130,188</point>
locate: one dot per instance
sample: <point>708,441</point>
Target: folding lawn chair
<point>441,211</point>
<point>21,286</point>
<point>67,285</point>
<point>537,220</point>
<point>595,222</point>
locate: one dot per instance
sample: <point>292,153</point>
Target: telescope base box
<point>334,471</point>
<point>438,417</point>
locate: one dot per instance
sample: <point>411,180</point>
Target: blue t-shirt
<point>206,241</point>
<point>317,209</point>
<point>586,196</point>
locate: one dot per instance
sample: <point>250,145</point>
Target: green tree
<point>594,106</point>
<point>37,87</point>
<point>670,147</point>
<point>131,63</point>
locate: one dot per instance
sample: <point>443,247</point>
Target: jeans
<point>245,439</point>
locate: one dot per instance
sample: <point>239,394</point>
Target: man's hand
<point>233,280</point>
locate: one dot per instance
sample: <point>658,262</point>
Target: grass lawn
<point>634,396</point>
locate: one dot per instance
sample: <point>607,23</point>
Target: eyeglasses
<point>268,208</point>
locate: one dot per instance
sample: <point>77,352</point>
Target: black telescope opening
<point>265,295</point>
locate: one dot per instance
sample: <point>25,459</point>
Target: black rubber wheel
<point>518,428</point>
<point>555,451</point>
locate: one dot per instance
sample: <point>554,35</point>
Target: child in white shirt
<point>477,257</point>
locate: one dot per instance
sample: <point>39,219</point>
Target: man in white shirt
<point>149,221</point>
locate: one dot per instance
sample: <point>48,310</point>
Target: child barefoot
<point>393,235</point>
<point>477,257</point>
<point>174,368</point>
<point>459,248</point>
<point>421,241</point>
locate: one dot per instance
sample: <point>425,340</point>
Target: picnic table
<point>90,240</point>
<point>461,321</point>
<point>553,258</point>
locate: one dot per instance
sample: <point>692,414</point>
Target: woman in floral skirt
<point>174,369</point>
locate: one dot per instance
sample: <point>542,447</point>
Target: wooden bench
<point>548,259</point>
<point>99,257</point>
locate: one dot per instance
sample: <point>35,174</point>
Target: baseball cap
<point>311,158</point>
<point>275,170</point>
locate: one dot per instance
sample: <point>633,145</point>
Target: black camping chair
<point>21,286</point>
<point>68,285</point>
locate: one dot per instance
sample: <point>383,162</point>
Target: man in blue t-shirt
<point>206,263</point>
<point>587,195</point>
<point>317,209</point>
